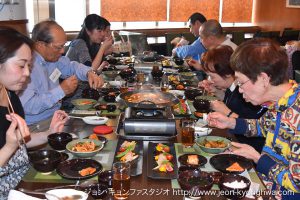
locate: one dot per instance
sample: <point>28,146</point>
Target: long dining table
<point>142,184</point>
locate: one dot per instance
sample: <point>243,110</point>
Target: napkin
<point>14,194</point>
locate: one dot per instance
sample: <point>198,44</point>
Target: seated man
<point>41,98</point>
<point>196,48</point>
<point>211,35</point>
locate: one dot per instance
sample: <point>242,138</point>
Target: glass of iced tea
<point>140,77</point>
<point>155,68</point>
<point>121,180</point>
<point>188,132</point>
<point>164,85</point>
<point>124,87</point>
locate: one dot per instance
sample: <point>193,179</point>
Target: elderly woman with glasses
<point>217,66</point>
<point>260,66</point>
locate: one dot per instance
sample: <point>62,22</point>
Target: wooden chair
<point>297,76</point>
<point>265,34</point>
<point>296,62</point>
<point>238,37</point>
<point>289,35</point>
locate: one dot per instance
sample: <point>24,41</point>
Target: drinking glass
<point>164,84</point>
<point>124,87</point>
<point>140,77</point>
<point>121,180</point>
<point>155,68</point>
<point>188,132</point>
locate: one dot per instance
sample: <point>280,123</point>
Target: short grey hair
<point>211,28</point>
<point>41,31</point>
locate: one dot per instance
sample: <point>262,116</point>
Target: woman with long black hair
<point>93,41</point>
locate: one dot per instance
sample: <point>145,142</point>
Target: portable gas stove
<point>147,124</point>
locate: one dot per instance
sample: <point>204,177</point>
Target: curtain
<point>134,10</point>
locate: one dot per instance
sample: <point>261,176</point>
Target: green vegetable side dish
<point>130,148</point>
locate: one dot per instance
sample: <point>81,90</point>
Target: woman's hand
<point>207,85</point>
<point>245,150</point>
<point>103,64</point>
<point>17,129</point>
<point>195,64</point>
<point>58,121</point>
<point>219,106</point>
<point>107,43</point>
<point>220,120</point>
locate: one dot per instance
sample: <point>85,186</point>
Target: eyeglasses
<point>241,84</point>
<point>57,47</point>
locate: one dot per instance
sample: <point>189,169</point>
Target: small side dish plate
<point>70,169</point>
<point>222,161</point>
<point>95,120</point>
<point>183,160</point>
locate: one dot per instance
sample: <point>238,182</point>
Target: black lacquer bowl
<point>45,160</point>
<point>195,182</point>
<point>58,141</point>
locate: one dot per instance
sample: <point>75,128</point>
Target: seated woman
<point>92,43</point>
<point>15,60</point>
<point>217,66</point>
<point>260,66</point>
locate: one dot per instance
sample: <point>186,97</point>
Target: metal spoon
<point>75,117</point>
<point>75,196</point>
<point>83,184</point>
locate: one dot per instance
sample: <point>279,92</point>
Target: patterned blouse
<point>279,164</point>
<point>11,173</point>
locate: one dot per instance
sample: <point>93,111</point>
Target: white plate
<point>116,83</point>
<point>65,193</point>
<point>95,120</point>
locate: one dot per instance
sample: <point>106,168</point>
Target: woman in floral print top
<point>260,67</point>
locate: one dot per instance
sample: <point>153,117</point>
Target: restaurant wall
<point>274,15</point>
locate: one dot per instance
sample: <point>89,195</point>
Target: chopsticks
<point>11,110</point>
<point>10,107</point>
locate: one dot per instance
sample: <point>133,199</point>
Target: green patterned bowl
<point>88,154</point>
<point>202,143</point>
